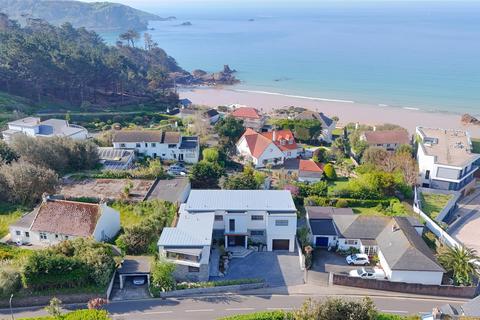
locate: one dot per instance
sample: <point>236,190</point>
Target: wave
<point>294,96</point>
<point>410,108</point>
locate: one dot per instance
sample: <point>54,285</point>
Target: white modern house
<point>159,144</point>
<point>445,159</point>
<point>56,220</point>
<point>402,253</point>
<point>267,147</point>
<point>232,216</point>
<point>34,127</point>
<point>328,124</point>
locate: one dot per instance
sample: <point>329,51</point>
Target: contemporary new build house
<point>387,139</point>
<point>445,159</point>
<point>159,144</point>
<point>267,147</point>
<point>402,253</point>
<point>56,220</point>
<point>251,117</point>
<point>230,216</point>
<point>34,127</point>
<point>328,124</point>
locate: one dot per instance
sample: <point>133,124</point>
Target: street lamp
<point>11,310</point>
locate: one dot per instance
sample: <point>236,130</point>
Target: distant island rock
<point>251,20</point>
<point>469,119</point>
<point>198,76</point>
<point>185,24</point>
<point>98,16</point>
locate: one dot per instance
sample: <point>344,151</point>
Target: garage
<point>321,241</point>
<point>134,269</point>
<point>281,244</point>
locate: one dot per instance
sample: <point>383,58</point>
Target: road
<point>466,229</point>
<point>214,307</point>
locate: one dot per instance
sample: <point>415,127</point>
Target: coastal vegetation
<point>433,204</point>
<point>304,130</point>
<point>460,263</point>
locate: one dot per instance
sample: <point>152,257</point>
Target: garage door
<point>321,241</point>
<point>281,244</point>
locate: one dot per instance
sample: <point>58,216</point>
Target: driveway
<point>129,291</point>
<point>326,261</point>
<point>277,268</point>
<point>466,229</point>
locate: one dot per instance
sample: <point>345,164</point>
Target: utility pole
<point>11,310</point>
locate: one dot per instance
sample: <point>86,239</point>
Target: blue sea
<point>423,55</point>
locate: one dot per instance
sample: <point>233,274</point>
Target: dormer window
<point>282,142</point>
<point>290,141</point>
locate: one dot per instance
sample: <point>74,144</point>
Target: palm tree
<point>461,262</point>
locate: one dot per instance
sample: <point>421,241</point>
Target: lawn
<point>476,145</point>
<point>433,204</point>
<point>8,215</point>
<point>134,213</point>
<point>337,184</point>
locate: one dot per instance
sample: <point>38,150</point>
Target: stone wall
<point>414,288</point>
<point>181,273</point>
<point>31,301</point>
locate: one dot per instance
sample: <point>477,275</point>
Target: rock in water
<point>469,119</point>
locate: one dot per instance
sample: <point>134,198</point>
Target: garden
<point>433,203</point>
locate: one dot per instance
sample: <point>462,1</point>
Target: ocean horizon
<point>413,55</point>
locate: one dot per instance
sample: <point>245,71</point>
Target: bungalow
<point>116,159</point>
<point>156,143</point>
<point>306,170</point>
<point>212,116</point>
<point>387,139</point>
<point>267,147</point>
<point>230,216</point>
<point>251,117</point>
<point>56,220</point>
<point>34,127</point>
<point>328,124</point>
<point>445,159</point>
<point>396,241</point>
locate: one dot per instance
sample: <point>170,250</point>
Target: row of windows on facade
<point>43,235</point>
<point>278,223</point>
<point>153,145</point>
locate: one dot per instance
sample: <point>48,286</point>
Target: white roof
<point>26,122</point>
<point>248,200</point>
<point>192,230</point>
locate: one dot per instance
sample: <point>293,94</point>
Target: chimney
<point>274,138</point>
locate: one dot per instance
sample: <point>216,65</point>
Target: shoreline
<point>346,110</point>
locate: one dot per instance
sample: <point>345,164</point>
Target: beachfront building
<point>390,140</point>
<point>251,117</point>
<point>159,144</point>
<point>445,159</point>
<point>234,216</point>
<point>267,147</point>
<point>328,124</point>
<point>54,221</point>
<point>34,127</point>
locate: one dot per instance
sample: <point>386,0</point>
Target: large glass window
<point>257,217</point>
<point>281,223</point>
<point>181,256</point>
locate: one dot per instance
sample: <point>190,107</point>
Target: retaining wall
<point>196,291</point>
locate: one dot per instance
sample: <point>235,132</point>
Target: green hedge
<point>211,284</point>
<point>267,315</point>
<point>78,315</point>
<point>326,201</point>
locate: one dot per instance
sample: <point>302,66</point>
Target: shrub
<point>341,203</point>
<point>335,308</point>
<point>10,279</point>
<point>162,276</point>
<point>329,172</point>
<point>211,284</point>
<point>265,315</point>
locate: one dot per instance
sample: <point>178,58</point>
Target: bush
<point>325,201</point>
<point>335,308</point>
<point>78,315</point>
<point>152,170</point>
<point>265,315</point>
<point>211,284</point>
<point>10,279</point>
<point>329,172</point>
<point>162,277</point>
<point>341,203</point>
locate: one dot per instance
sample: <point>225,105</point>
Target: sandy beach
<point>347,111</point>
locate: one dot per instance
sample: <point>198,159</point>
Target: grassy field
<point>128,216</point>
<point>337,184</point>
<point>9,214</point>
<point>432,203</point>
<point>476,145</point>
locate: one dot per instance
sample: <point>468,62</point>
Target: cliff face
<point>98,16</point>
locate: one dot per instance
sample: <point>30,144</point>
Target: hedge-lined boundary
<point>348,202</point>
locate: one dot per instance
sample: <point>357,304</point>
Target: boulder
<point>469,119</point>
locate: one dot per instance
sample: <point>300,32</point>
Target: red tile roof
<point>67,217</point>
<point>309,165</point>
<point>245,112</point>
<point>387,136</point>
<point>258,142</point>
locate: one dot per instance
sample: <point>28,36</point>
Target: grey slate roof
<point>135,264</point>
<point>323,227</point>
<point>310,174</point>
<point>211,113</point>
<point>137,136</point>
<point>326,212</point>
<point>472,307</point>
<point>404,249</point>
<point>248,200</point>
<point>291,164</point>
<point>310,115</point>
<point>25,221</point>
<point>189,143</point>
<point>359,226</point>
<point>169,190</point>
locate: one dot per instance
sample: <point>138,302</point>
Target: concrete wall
<point>281,232</point>
<point>108,225</point>
<point>418,276</point>
<point>432,290</point>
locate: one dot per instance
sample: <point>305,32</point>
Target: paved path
<point>467,228</point>
<point>214,307</point>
